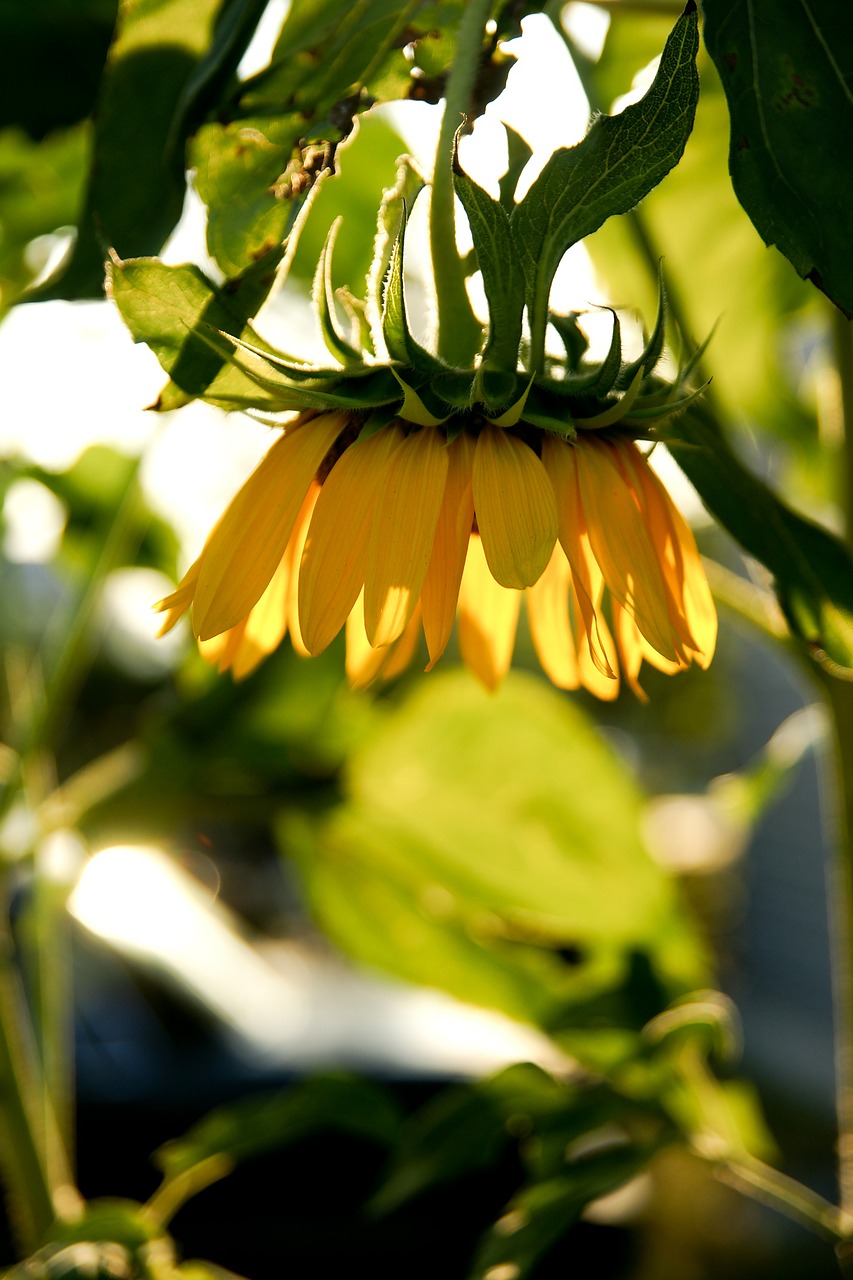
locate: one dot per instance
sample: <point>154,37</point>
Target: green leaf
<point>790,95</point>
<point>618,162</point>
<point>502,277</point>
<point>446,868</point>
<point>519,152</point>
<point>163,305</point>
<point>540,1214</point>
<point>249,1128</point>
<point>813,570</point>
<point>137,178</point>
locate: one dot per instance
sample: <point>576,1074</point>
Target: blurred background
<point>376,900</point>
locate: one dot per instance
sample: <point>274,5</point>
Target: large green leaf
<point>813,570</point>
<point>789,86</point>
<point>163,305</point>
<point>489,845</point>
<point>719,272</point>
<point>618,162</point>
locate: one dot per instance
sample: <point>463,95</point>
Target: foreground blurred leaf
<point>250,1127</point>
<point>813,570</point>
<point>790,94</point>
<point>165,59</point>
<point>540,1214</point>
<point>41,185</point>
<point>489,845</point>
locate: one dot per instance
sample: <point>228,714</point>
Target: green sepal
<point>591,380</point>
<point>653,350</point>
<point>642,411</point>
<point>543,410</point>
<point>503,281</point>
<point>414,409</point>
<point>515,412</point>
<point>456,388</point>
<point>499,389</point>
<point>335,389</point>
<point>356,311</point>
<point>572,337</point>
<point>402,347</point>
<point>324,301</point>
<point>615,412</point>
<point>406,189</point>
<point>378,418</point>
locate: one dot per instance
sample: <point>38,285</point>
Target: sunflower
<point>397,531</point>
<point>405,495</point>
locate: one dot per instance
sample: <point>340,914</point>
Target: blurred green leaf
<point>813,570</point>
<point>150,94</point>
<point>790,94</point>
<point>253,1126</point>
<point>163,305</point>
<point>618,162</point>
<point>540,1214</point>
<point>459,861</point>
<point>465,1129</point>
<point>62,44</point>
<point>41,186</point>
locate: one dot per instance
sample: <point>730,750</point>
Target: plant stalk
<point>460,334</point>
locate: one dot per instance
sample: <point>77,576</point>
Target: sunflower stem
<point>460,334</point>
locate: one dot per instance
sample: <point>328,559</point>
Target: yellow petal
<point>630,642</point>
<point>248,543</point>
<point>559,460</point>
<point>440,592</point>
<point>294,554</point>
<point>403,533</point>
<point>176,604</point>
<point>591,676</point>
<point>335,557</point>
<point>364,663</point>
<point>550,627</point>
<point>515,508</point>
<point>682,563</point>
<point>621,543</point>
<point>266,625</point>
<point>220,649</point>
<point>488,616</point>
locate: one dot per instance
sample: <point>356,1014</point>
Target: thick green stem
<point>459,332</point>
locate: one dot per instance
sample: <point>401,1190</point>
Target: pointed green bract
<point>502,277</point>
<point>324,302</point>
<point>402,347</point>
<point>618,162</point>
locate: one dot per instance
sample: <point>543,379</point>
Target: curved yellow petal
<point>550,626</point>
<point>220,649</point>
<point>685,576</point>
<point>294,556</point>
<point>622,545</point>
<point>176,604</point>
<point>364,663</point>
<point>440,592</point>
<point>408,507</point>
<point>334,561</point>
<point>603,685</point>
<point>488,616</point>
<point>631,653</point>
<point>248,543</point>
<point>515,508</point>
<point>266,625</point>
<point>559,460</point>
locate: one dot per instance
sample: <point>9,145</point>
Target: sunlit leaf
<point>813,570</point>
<point>790,94</point>
<point>618,162</point>
<point>162,305</point>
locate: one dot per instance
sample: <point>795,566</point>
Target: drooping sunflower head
<point>407,493</point>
